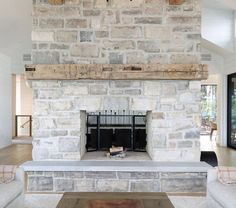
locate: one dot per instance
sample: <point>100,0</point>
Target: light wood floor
<point>17,154</point>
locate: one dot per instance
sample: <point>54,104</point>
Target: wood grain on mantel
<point>117,72</point>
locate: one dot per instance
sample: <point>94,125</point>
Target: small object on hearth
<point>116,152</point>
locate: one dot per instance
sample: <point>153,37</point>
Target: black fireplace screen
<point>120,129</point>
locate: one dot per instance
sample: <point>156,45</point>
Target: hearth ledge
<point>146,166</point>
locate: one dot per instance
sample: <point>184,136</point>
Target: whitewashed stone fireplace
<point>93,55</point>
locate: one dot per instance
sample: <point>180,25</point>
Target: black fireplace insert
<point>116,128</point>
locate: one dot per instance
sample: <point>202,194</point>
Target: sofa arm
<point>212,175</point>
<point>20,175</point>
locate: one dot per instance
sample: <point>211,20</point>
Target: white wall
<point>15,30</point>
<point>218,27</point>
<point>5,101</point>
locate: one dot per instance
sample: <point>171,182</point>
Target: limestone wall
<point>173,109</point>
<point>116,32</point>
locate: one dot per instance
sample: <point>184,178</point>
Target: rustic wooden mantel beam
<point>117,72</point>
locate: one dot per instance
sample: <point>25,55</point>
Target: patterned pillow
<point>227,175</point>
<point>7,173</point>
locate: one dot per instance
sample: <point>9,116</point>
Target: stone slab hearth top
<point>135,166</point>
<point>117,72</point>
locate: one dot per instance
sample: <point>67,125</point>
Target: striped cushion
<point>227,175</point>
<point>7,173</point>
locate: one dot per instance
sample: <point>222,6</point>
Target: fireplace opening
<point>108,129</point>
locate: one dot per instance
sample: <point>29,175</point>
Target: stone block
<point>101,4</point>
<point>73,174</point>
<point>40,183</point>
<point>194,134</point>
<point>56,46</point>
<point>158,115</point>
<point>51,23</point>
<point>133,92</point>
<point>56,133</point>
<point>185,144</point>
<point>164,155</point>
<point>68,144</point>
<point>84,185</point>
<point>152,88</point>
<point>183,185</point>
<point>115,92</point>
<point>47,123</point>
<point>100,175</point>
<point>105,185</point>
<point>41,134</point>
<point>116,103</point>
<point>158,33</point>
<point>187,97</point>
<point>185,59</point>
<point>127,4</point>
<point>195,85</point>
<point>125,84</point>
<point>157,59</point>
<point>76,90</point>
<point>159,141</point>
<point>126,32</point>
<point>149,46</point>
<point>85,50</point>
<point>138,175</point>
<point>185,175</point>
<point>75,133</point>
<point>119,45</point>
<point>43,46</point>
<point>132,12</point>
<point>115,58</point>
<point>176,135</point>
<point>41,108</point>
<point>101,34</point>
<point>98,90</point>
<point>88,103</point>
<point>71,11</point>
<point>76,23</point>
<point>187,20</point>
<point>66,36</point>
<point>168,89</point>
<point>62,105</point>
<point>154,10</point>
<point>145,186</point>
<point>68,122</point>
<point>135,58</point>
<point>91,12</point>
<point>143,103</point>
<point>46,57</point>
<point>40,36</point>
<point>86,36</point>
<point>148,20</point>
<point>63,185</point>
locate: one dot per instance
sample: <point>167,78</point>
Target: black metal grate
<point>118,128</point>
